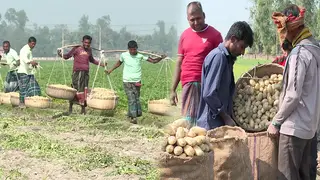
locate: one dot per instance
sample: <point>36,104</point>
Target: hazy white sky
<point>140,16</point>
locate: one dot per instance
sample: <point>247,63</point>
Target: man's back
<point>304,120</point>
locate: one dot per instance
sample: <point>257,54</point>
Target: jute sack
<point>230,147</point>
<point>263,155</point>
<point>189,168</point>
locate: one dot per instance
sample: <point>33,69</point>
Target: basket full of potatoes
<point>257,97</point>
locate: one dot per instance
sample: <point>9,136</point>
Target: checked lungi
<point>132,90</point>
<point>190,101</point>
<point>28,86</point>
<point>80,82</point>
<point>11,84</point>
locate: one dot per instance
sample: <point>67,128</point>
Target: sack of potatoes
<point>183,141</point>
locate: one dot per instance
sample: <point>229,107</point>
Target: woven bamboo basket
<point>102,99</point>
<point>258,71</point>
<point>5,98</point>
<point>159,107</point>
<point>37,102</point>
<point>61,91</point>
<point>2,94</point>
<point>14,99</point>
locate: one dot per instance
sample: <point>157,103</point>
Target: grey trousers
<point>294,158</point>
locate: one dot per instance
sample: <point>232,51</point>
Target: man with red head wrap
<point>298,117</point>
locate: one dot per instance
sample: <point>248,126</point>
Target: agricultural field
<point>99,145</point>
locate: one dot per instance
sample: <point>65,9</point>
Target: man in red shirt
<point>80,77</point>
<point>194,45</point>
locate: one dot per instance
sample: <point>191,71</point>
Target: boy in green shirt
<point>132,77</point>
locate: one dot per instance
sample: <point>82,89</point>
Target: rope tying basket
<point>37,102</point>
<point>14,98</point>
<point>61,91</point>
<point>257,97</point>
<point>102,99</point>
<point>159,107</point>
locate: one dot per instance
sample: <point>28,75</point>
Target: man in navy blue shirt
<point>218,86</point>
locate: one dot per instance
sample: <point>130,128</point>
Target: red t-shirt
<point>194,47</point>
<point>82,57</point>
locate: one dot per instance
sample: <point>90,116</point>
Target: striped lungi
<point>11,84</point>
<point>28,86</point>
<point>80,82</point>
<point>191,93</point>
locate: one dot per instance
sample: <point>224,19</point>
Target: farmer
<point>298,116</point>
<point>80,77</point>
<point>194,45</point>
<point>286,49</point>
<point>132,78</point>
<point>12,58</point>
<point>28,85</point>
<point>218,86</point>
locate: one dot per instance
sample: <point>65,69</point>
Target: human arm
<point>118,64</point>
<point>94,61</point>
<point>24,53</point>
<point>68,55</point>
<point>156,60</point>
<point>296,75</point>
<point>16,58</point>
<point>177,73</point>
<point>213,72</point>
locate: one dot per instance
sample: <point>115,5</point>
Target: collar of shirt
<point>223,48</point>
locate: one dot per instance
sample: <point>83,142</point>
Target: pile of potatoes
<point>256,102</point>
<point>184,142</point>
<point>38,98</point>
<point>100,93</point>
<point>61,86</point>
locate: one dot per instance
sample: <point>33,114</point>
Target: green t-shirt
<point>132,66</point>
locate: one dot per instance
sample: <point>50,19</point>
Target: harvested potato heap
<point>61,86</point>
<point>256,102</point>
<point>160,101</point>
<point>184,142</point>
<point>100,93</point>
<point>38,98</point>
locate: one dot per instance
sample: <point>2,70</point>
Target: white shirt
<point>25,58</point>
<point>11,57</point>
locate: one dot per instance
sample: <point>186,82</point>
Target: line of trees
<point>13,28</point>
<point>266,40</point>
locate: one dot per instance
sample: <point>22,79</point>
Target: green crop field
<point>99,145</point>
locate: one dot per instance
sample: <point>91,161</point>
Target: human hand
<point>108,71</point>
<point>273,131</point>
<point>173,98</point>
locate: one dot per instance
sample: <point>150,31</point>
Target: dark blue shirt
<point>217,88</point>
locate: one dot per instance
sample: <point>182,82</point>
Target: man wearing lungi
<point>132,78</point>
<point>28,85</point>
<point>12,58</point>
<point>194,45</point>
<point>80,77</point>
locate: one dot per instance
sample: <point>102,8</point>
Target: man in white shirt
<point>12,58</point>
<point>27,83</point>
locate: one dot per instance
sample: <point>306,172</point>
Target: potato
<point>178,150</point>
<point>172,140</point>
<point>171,130</point>
<point>200,139</point>
<point>181,123</point>
<point>169,149</point>
<point>199,131</point>
<point>180,133</point>
<point>189,150</point>
<point>190,141</point>
<point>183,155</point>
<point>198,151</point>
<point>205,147</point>
<point>252,82</point>
<point>181,142</point>
<point>192,134</point>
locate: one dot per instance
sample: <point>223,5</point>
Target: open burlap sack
<point>263,155</point>
<point>230,147</point>
<point>190,168</point>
